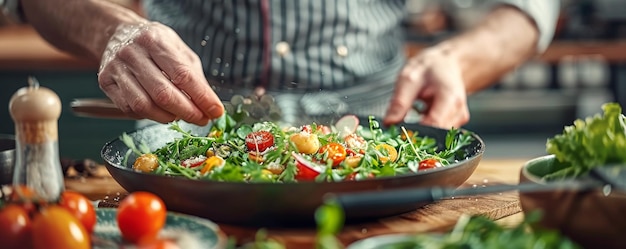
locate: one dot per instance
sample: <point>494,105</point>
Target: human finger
<point>127,93</point>
<point>410,82</point>
<point>185,72</point>
<point>162,93</point>
<point>447,106</point>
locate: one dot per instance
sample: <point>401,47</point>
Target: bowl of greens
<point>265,174</point>
<point>593,218</point>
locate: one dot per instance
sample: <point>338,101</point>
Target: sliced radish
<point>193,161</point>
<point>307,170</point>
<point>347,125</point>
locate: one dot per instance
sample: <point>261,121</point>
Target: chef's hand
<point>434,77</point>
<point>149,72</point>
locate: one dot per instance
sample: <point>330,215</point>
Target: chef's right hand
<point>149,72</point>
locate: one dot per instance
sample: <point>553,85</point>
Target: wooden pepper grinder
<point>35,111</point>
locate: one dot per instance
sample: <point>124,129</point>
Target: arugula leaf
<point>597,140</point>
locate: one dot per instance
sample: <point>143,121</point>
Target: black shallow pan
<point>271,204</point>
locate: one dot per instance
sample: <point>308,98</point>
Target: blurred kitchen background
<point>582,69</point>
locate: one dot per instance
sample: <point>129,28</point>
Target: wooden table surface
<point>440,216</point>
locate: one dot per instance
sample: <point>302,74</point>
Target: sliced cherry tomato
<point>81,207</point>
<point>141,215</point>
<point>307,170</point>
<point>55,227</point>
<point>353,161</point>
<point>259,140</point>
<point>333,151</point>
<point>15,227</point>
<point>193,162</point>
<point>389,153</point>
<point>210,163</point>
<point>157,243</point>
<point>404,135</point>
<point>429,163</point>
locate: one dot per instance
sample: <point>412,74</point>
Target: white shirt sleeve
<point>543,12</point>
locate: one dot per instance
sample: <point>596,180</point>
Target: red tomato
<point>15,227</point>
<point>334,151</point>
<point>21,192</point>
<point>307,170</point>
<point>140,215</point>
<point>305,173</point>
<point>26,197</point>
<point>259,141</point>
<point>55,227</point>
<point>429,163</point>
<point>157,243</point>
<point>80,207</point>
<point>193,162</point>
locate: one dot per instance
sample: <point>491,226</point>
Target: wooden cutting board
<point>436,217</point>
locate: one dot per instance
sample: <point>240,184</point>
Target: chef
<point>345,55</point>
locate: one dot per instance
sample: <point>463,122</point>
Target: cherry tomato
<point>157,243</point>
<point>409,133</point>
<point>21,193</point>
<point>81,207</point>
<point>429,163</point>
<point>55,227</point>
<point>140,214</point>
<point>389,153</point>
<point>25,197</point>
<point>333,151</point>
<point>307,170</point>
<point>305,173</point>
<point>259,141</point>
<point>193,162</point>
<point>146,163</point>
<point>15,227</point>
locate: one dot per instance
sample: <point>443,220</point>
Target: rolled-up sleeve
<point>543,12</point>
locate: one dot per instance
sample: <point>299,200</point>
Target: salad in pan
<point>266,152</point>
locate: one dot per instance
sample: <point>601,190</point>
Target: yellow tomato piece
<point>390,153</point>
<point>211,163</point>
<point>353,161</point>
<point>256,156</point>
<point>305,142</point>
<point>146,163</point>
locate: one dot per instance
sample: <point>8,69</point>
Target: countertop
<point>440,216</point>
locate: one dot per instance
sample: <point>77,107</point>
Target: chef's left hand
<point>434,77</point>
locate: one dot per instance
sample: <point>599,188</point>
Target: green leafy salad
<point>595,141</point>
<point>266,152</point>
